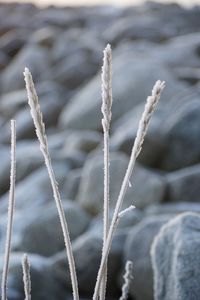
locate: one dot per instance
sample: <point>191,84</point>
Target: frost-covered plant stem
<point>141,132</point>
<point>11,205</point>
<point>106,79</point>
<point>26,277</point>
<point>128,277</point>
<point>40,132</point>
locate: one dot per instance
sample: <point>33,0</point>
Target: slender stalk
<point>128,277</point>
<point>106,111</point>
<point>40,132</point>
<point>26,277</point>
<point>125,211</point>
<point>11,205</point>
<point>142,129</point>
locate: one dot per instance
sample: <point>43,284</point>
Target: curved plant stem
<point>40,132</point>
<point>26,277</point>
<point>11,205</point>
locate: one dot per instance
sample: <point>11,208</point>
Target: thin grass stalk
<point>40,132</point>
<point>11,205</point>
<point>128,277</point>
<point>106,88</point>
<point>26,277</point>
<point>141,132</point>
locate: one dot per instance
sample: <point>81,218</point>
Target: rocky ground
<point>63,49</point>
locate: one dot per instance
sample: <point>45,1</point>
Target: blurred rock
<point>90,193</point>
<point>13,102</point>
<point>72,182</point>
<point>45,37</point>
<point>125,130</point>
<point>87,251</point>
<point>175,257</point>
<point>148,28</point>
<point>12,42</point>
<point>35,189</point>
<point>43,228</point>
<point>43,283</point>
<point>4,60</point>
<point>172,208</point>
<point>128,221</point>
<point>137,249</point>
<point>182,185</point>
<point>31,56</point>
<point>59,17</point>
<point>83,112</point>
<point>77,41</point>
<point>77,57</point>
<point>185,49</point>
<point>85,140</point>
<point>4,169</point>
<point>183,133</point>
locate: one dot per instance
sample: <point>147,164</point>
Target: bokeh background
<point>100,2</point>
<point>62,45</point>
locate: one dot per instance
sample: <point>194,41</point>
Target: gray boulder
<point>129,220</point>
<point>29,158</point>
<point>77,55</point>
<point>125,130</point>
<point>45,37</point>
<point>90,193</point>
<point>137,249</point>
<point>172,208</point>
<point>31,56</point>
<point>77,41</point>
<point>183,185</point>
<point>87,251</point>
<point>50,110</point>
<point>137,27</point>
<point>84,141</point>
<point>41,231</point>
<point>71,184</point>
<point>4,168</point>
<point>35,189</point>
<point>12,102</point>
<point>58,17</point>
<point>175,259</point>
<point>84,112</point>
<point>182,132</point>
<point>13,41</point>
<point>43,282</point>
<point>75,70</point>
<point>185,49</point>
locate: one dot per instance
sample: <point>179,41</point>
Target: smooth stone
<point>87,251</point>
<point>182,185</point>
<point>182,132</point>
<point>41,231</point>
<point>175,257</point>
<point>85,140</point>
<point>83,111</point>
<point>35,58</point>
<point>129,220</point>
<point>4,168</point>
<point>172,208</point>
<point>137,249</point>
<point>90,193</point>
<point>43,282</point>
<point>71,184</point>
<point>39,185</point>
